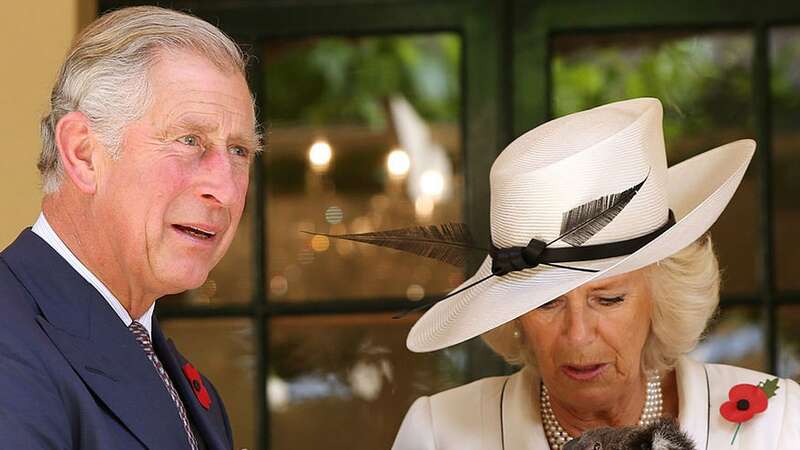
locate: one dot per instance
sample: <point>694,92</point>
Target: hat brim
<point>699,189</point>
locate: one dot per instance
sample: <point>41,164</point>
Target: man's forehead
<point>205,112</point>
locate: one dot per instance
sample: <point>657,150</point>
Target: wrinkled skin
<point>662,435</point>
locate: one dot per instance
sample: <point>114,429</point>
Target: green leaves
<point>769,387</point>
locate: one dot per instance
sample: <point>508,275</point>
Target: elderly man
<point>145,164</point>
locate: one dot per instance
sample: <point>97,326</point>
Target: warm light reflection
<point>415,292</point>
<point>398,163</point>
<point>305,256</point>
<point>320,243</point>
<point>432,183</point>
<point>423,207</point>
<point>320,155</point>
<point>278,285</point>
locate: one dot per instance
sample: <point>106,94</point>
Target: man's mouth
<point>195,231</point>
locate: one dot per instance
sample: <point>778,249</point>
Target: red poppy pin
<point>747,400</point>
<point>198,387</point>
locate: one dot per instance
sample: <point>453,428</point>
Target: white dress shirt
<point>43,229</point>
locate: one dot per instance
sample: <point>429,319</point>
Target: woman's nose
<point>580,324</point>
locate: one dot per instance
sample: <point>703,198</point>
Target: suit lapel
<point>96,343</point>
<point>201,418</point>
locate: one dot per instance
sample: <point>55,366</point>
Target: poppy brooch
<point>198,387</point>
<point>747,400</point>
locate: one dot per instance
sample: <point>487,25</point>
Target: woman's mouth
<point>584,372</point>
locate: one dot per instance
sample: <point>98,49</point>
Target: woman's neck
<point>624,410</point>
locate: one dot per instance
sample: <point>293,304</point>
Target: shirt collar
<point>43,229</point>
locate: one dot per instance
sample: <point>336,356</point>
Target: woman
<point>600,280</point>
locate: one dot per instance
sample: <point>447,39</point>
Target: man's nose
<point>218,182</point>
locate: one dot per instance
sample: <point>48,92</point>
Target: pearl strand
<point>557,436</point>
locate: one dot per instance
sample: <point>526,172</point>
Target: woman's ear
<point>77,146</point>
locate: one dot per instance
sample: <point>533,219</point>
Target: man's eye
<point>190,139</point>
<point>240,151</point>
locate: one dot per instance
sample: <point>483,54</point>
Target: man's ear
<point>77,147</point>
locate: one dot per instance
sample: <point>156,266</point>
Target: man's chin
<point>186,282</point>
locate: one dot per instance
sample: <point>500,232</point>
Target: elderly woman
<point>600,279</point>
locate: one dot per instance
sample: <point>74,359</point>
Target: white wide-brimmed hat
<point>584,160</point>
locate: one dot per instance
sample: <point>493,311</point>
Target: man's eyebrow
<point>194,122</point>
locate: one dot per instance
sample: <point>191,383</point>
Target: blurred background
<point>386,113</point>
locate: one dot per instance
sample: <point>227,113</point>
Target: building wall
<point>34,38</point>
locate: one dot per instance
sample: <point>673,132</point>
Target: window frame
<point>506,90</point>
<point>485,128</point>
<point>538,22</point>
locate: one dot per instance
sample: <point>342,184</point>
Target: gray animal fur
<point>664,434</point>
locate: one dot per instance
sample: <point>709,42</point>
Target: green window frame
<point>538,22</point>
<point>506,90</point>
<point>484,131</point>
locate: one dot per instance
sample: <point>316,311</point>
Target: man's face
<point>171,203</point>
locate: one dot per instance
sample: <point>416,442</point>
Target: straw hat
<point>567,168</point>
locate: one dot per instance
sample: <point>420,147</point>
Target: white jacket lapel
<point>522,424</point>
<point>693,400</point>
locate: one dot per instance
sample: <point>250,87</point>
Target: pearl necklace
<point>557,436</point>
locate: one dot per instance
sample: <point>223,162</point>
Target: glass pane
<point>785,87</point>
<point>364,135</point>
<point>736,337</point>
<point>350,379</point>
<point>231,281</point>
<point>223,351</point>
<point>704,83</point>
<point>789,342</point>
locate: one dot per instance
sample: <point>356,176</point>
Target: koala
<point>664,434</point>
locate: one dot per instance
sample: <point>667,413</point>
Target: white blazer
<point>471,417</point>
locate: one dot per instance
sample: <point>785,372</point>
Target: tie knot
<point>142,336</point>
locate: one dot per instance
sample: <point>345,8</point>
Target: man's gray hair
<point>105,73</point>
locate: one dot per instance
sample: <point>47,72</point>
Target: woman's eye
<point>189,140</point>
<point>551,304</point>
<point>611,300</point>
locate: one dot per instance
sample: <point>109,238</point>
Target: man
<point>145,163</point>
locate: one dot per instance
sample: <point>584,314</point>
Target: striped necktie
<point>143,338</point>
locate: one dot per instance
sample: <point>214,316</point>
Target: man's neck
<point>92,248</point>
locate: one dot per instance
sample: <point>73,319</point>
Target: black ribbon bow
<point>510,259</point>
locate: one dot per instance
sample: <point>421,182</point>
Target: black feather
<point>450,242</point>
<point>584,221</point>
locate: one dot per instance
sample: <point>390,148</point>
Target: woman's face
<point>588,342</point>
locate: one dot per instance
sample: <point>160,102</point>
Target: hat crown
<point>578,158</point>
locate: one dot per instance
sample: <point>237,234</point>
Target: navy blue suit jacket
<point>71,374</point>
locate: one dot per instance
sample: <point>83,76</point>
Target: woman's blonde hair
<point>685,292</point>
